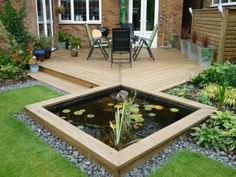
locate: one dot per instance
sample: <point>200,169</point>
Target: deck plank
<point>170,68</point>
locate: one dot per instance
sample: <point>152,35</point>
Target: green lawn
<point>190,164</point>
<point>22,153</point>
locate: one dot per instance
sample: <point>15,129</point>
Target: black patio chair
<point>121,44</point>
<point>130,26</point>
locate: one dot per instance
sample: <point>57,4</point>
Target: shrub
<point>181,91</point>
<point>223,94</point>
<point>217,74</point>
<point>218,132</point>
<point>12,19</point>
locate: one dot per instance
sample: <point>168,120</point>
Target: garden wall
<point>221,30</point>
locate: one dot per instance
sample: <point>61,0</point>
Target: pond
<point>95,114</point>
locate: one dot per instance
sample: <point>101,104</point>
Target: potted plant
<point>192,46</point>
<point>205,53</point>
<point>33,64</point>
<point>60,9</point>
<point>170,41</point>
<point>74,45</point>
<point>48,47</point>
<point>183,41</point>
<point>39,48</point>
<point>62,38</point>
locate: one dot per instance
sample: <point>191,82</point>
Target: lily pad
<point>110,104</point>
<point>174,110</point>
<point>90,116</point>
<point>136,105</point>
<point>137,117</point>
<point>137,125</point>
<point>159,107</point>
<point>80,127</point>
<point>66,111</point>
<point>78,113</point>
<point>151,114</point>
<point>83,110</point>
<point>64,117</point>
<point>134,110</point>
<point>118,106</point>
<point>147,108</point>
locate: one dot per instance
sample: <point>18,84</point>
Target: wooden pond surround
<point>116,162</point>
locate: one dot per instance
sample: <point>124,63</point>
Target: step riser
<point>70,78</point>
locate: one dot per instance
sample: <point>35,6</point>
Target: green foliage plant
<point>224,94</point>
<point>63,36</point>
<point>217,74</point>
<point>12,19</point>
<point>74,41</point>
<point>41,43</point>
<point>218,132</point>
<point>181,91</point>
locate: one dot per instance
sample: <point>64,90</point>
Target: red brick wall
<point>168,8</point>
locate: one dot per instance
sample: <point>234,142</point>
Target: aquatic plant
<point>124,117</point>
<point>90,116</point>
<point>67,112</point>
<point>174,110</point>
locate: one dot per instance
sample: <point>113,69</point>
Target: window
<point>81,11</point>
<point>223,2</point>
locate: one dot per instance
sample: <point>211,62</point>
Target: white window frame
<point>72,21</point>
<point>229,3</point>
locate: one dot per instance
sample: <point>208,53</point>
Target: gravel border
<point>30,83</point>
<point>92,169</point>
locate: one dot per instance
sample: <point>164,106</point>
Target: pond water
<point>93,115</point>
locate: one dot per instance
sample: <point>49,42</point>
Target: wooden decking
<point>171,68</point>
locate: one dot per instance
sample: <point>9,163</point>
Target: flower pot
<point>205,56</point>
<point>34,68</point>
<point>48,52</point>
<point>74,52</point>
<point>40,54</point>
<point>192,51</point>
<point>183,46</point>
<point>61,45</point>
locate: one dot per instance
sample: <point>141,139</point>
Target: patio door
<point>45,22</point>
<point>144,15</point>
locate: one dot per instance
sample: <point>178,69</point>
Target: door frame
<point>143,32</point>
<point>45,22</point>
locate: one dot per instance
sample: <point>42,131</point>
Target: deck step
<point>60,83</point>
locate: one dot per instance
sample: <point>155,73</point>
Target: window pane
<point>216,2</point>
<point>136,14</point>
<point>233,0</point>
<point>40,10</point>
<point>224,1</point>
<point>150,15</point>
<point>67,14</point>
<point>93,9</point>
<point>80,10</point>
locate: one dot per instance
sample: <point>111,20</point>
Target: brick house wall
<point>110,16</point>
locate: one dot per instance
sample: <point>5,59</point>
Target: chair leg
<point>130,58</point>
<point>111,58</point>
<point>90,52</point>
<point>138,51</point>
<point>150,53</point>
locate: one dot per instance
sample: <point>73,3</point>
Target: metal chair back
<point>121,39</point>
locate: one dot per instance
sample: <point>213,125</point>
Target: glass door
<point>45,23</point>
<point>144,15</point>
